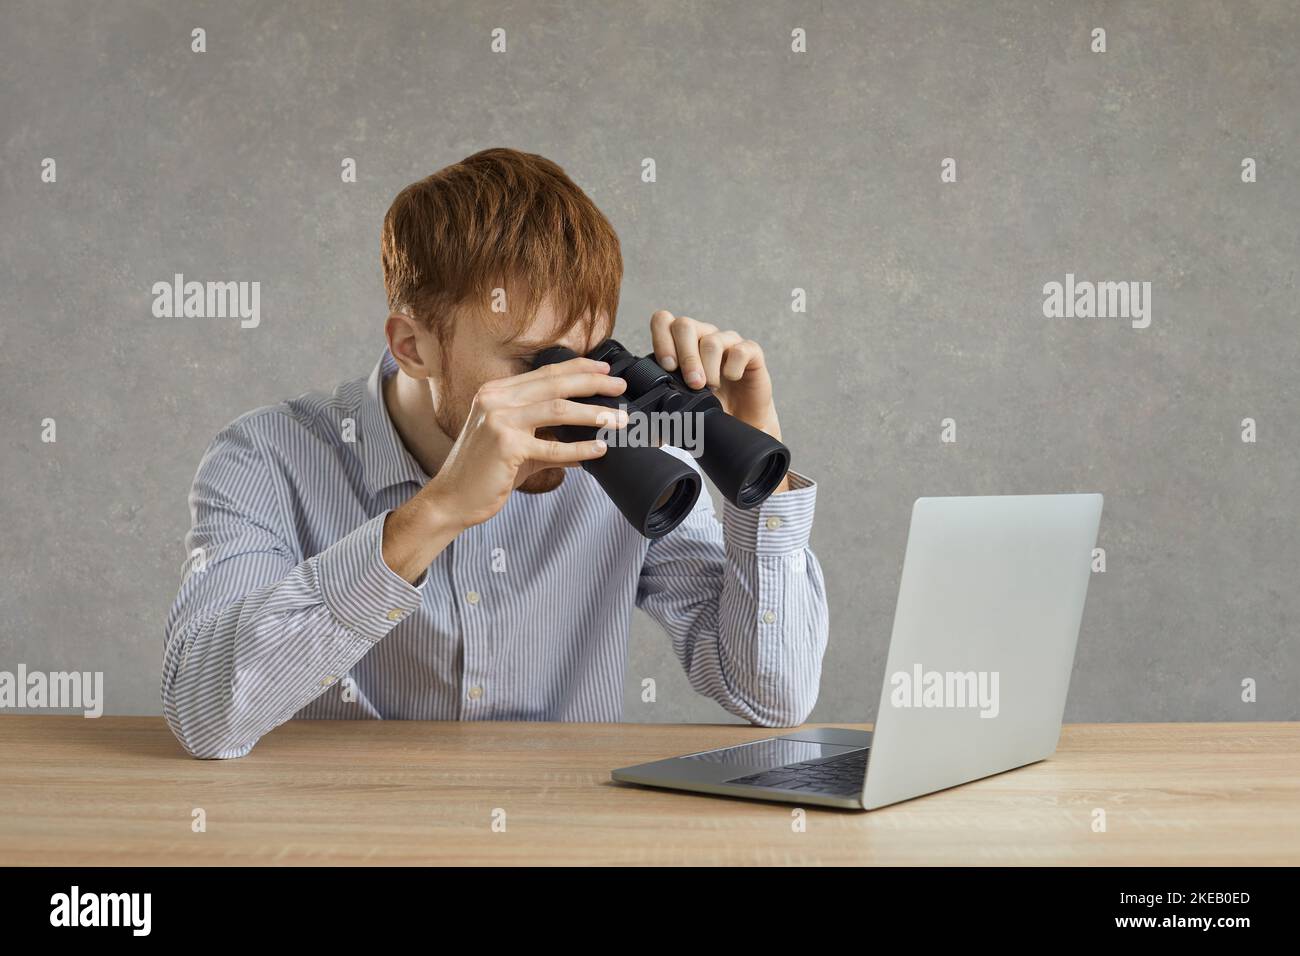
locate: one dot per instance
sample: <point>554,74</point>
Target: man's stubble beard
<point>548,479</point>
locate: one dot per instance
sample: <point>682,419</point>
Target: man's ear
<point>414,348</point>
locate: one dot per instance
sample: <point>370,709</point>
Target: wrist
<point>416,533</point>
<point>764,421</point>
<point>436,511</point>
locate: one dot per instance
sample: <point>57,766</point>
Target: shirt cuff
<point>363,592</point>
<point>781,524</point>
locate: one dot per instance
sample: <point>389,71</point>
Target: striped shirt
<point>287,609</point>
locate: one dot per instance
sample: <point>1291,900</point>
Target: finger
<point>661,338</point>
<point>686,337</point>
<point>561,411</point>
<point>559,452</point>
<point>713,347</point>
<point>531,468</point>
<point>742,357</point>
<point>571,385</point>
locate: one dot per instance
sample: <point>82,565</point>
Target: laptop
<point>988,615</point>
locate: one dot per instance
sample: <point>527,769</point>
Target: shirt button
<point>773,523</point>
<point>395,614</point>
<point>472,597</point>
<point>768,617</point>
<point>326,681</point>
<point>475,692</point>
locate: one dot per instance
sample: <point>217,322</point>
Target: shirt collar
<point>383,456</point>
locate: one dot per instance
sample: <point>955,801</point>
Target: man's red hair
<point>500,219</point>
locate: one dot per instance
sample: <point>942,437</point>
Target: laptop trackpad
<point>773,752</point>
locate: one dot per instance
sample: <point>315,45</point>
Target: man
<point>363,554</point>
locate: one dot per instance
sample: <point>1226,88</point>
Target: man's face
<point>477,351</point>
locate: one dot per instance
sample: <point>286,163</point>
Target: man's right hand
<point>497,450</point>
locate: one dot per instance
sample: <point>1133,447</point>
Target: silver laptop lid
<point>988,614</point>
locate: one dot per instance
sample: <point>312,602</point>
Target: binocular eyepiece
<point>654,490</point>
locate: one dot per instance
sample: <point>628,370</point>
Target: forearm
<point>770,637</point>
<point>774,628</point>
<point>232,677</point>
<point>243,658</point>
<point>745,605</point>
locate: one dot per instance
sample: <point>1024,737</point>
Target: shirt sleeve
<point>744,602</point>
<point>256,631</point>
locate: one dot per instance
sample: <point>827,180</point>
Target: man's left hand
<point>733,366</point>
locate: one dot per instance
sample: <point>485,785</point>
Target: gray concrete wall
<point>775,170</point>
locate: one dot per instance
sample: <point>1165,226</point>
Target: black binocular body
<point>654,490</point>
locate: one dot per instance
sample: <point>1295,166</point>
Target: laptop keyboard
<point>839,776</point>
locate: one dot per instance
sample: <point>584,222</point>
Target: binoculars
<point>654,490</point>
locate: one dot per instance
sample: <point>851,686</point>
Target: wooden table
<point>119,790</point>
